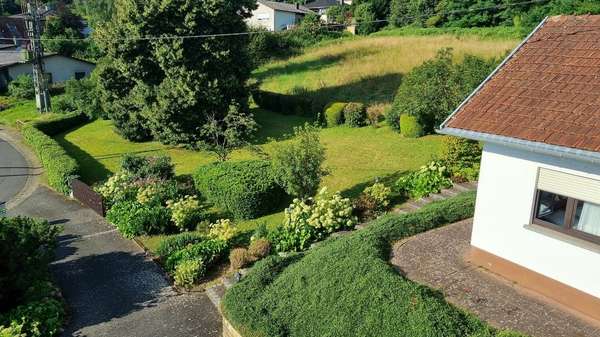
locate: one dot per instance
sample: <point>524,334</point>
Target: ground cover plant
<point>29,303</point>
<point>315,294</point>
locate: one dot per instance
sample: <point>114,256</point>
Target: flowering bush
<point>324,213</point>
<point>118,187</point>
<point>223,230</point>
<point>310,220</point>
<point>186,212</point>
<point>431,178</point>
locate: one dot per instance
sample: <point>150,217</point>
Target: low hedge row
<point>246,189</point>
<point>59,166</point>
<point>288,104</point>
<point>314,294</point>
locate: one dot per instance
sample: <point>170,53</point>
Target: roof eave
<point>445,123</point>
<point>527,145</point>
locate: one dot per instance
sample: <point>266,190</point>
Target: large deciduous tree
<point>168,88</point>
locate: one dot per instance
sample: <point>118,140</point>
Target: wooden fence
<point>87,196</point>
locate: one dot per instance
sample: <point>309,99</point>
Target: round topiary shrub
<point>355,115</point>
<point>410,127</point>
<point>334,114</point>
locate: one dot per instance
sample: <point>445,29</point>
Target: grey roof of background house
<point>323,3</point>
<point>285,7</point>
<point>10,57</point>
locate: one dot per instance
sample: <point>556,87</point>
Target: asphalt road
<point>13,172</point>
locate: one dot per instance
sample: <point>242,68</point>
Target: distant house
<point>13,32</point>
<point>277,16</point>
<point>57,68</point>
<point>537,217</point>
<point>321,6</point>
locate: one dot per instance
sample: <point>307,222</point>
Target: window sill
<point>581,243</point>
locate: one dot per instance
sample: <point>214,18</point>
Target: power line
<point>206,36</point>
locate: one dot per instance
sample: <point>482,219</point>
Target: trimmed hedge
<point>355,115</point>
<point>410,127</point>
<point>59,166</point>
<point>287,104</point>
<point>246,189</point>
<point>314,294</point>
<point>334,114</point>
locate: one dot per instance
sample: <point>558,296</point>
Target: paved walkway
<point>436,258</point>
<point>111,287</point>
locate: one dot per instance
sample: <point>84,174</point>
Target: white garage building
<point>58,68</point>
<point>277,16</point>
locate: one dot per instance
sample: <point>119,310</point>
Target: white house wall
<point>507,187</point>
<point>264,17</point>
<point>61,68</point>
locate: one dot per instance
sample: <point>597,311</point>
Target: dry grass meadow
<point>367,70</point>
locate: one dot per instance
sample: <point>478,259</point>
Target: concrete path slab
<point>112,288</point>
<point>437,259</point>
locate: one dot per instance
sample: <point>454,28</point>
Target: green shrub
<point>334,114</point>
<point>292,239</point>
<point>302,295</point>
<point>83,97</point>
<point>209,251</point>
<point>410,127</point>
<point>22,87</point>
<point>431,178</point>
<point>156,192</point>
<point>186,212</point>
<point>365,17</point>
<point>28,301</point>
<point>119,187</point>
<point>246,189</point>
<point>177,242</point>
<point>441,86</point>
<point>133,219</point>
<point>158,167</point>
<point>461,152</point>
<point>355,115</point>
<point>63,104</point>
<point>297,164</point>
<point>188,272</point>
<point>374,200</point>
<point>59,166</point>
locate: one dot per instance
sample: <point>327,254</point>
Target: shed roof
<point>547,91</point>
<point>285,7</point>
<point>323,3</point>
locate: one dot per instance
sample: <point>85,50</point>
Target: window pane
<point>552,208</point>
<point>587,218</point>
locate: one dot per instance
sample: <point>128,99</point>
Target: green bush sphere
<point>410,127</point>
<point>355,115</point>
<point>334,114</point>
<point>246,189</point>
<point>22,87</point>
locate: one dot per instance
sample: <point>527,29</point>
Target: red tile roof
<point>548,91</point>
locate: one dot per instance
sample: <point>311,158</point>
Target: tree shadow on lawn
<point>368,90</point>
<point>90,168</point>
<point>275,126</point>
<point>323,62</point>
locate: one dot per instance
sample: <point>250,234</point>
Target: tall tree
<point>168,88</point>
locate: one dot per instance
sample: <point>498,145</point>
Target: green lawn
<point>19,111</point>
<point>355,157</point>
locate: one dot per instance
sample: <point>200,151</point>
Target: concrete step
<point>399,211</point>
<point>449,193</point>
<point>215,294</point>
<point>413,205</point>
<point>461,188</point>
<point>472,185</point>
<point>437,197</point>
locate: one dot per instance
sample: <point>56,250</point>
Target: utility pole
<point>34,29</point>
